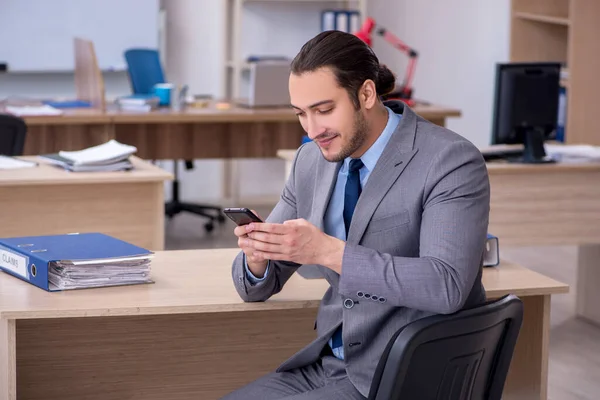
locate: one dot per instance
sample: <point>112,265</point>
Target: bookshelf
<point>566,31</point>
<point>233,63</point>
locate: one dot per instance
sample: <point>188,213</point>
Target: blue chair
<point>145,71</point>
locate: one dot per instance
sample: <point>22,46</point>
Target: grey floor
<point>574,370</point>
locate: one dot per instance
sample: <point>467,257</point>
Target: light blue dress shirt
<point>334,219</point>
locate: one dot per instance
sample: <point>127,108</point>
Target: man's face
<point>327,114</point>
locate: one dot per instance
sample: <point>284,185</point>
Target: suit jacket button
<point>382,299</point>
<point>374,298</point>
<point>348,303</point>
<point>360,294</point>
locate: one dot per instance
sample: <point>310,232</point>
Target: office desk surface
<point>47,200</point>
<point>70,116</point>
<point>199,281</point>
<point>207,115</point>
<point>181,338</point>
<point>48,174</point>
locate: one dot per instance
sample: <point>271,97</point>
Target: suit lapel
<point>324,184</point>
<point>394,159</point>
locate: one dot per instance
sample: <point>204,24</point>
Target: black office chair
<point>461,356</point>
<point>12,135</point>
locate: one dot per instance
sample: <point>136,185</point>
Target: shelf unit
<point>566,31</point>
<point>233,63</point>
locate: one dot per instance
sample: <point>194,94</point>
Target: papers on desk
<point>573,153</point>
<point>29,111</point>
<point>14,163</point>
<point>110,156</point>
<point>65,275</point>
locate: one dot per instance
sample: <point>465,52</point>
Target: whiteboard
<point>37,35</point>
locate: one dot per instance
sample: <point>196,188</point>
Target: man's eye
<point>325,111</point>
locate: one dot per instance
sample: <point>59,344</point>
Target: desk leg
<point>528,373</point>
<point>8,362</point>
<point>588,279</point>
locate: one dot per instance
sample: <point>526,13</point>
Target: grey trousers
<point>324,380</point>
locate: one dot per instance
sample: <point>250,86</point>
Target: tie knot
<point>355,165</point>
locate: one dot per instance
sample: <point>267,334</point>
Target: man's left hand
<point>297,241</point>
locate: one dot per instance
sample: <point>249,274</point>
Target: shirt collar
<point>372,155</point>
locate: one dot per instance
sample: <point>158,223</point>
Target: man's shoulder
<point>307,156</point>
<point>432,139</point>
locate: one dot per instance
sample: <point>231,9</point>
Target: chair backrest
<point>12,135</point>
<point>461,356</point>
<point>145,70</point>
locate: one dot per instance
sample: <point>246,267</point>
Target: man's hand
<point>297,241</point>
<point>256,265</point>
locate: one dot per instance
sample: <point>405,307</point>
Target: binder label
<point>15,263</point>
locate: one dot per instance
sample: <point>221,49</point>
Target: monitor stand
<point>533,150</point>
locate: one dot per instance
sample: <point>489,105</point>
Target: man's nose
<point>313,129</point>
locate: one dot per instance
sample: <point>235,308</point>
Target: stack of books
<point>110,156</point>
<point>142,103</point>
<point>75,261</point>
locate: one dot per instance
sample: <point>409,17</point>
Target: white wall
<point>458,41</point>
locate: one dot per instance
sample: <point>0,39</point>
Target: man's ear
<point>368,94</point>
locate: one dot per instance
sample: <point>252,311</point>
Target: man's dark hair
<point>351,60</point>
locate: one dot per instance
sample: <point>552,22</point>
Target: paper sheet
<point>14,163</point>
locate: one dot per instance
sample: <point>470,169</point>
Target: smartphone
<point>241,216</point>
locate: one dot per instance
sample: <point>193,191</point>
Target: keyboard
<point>505,154</point>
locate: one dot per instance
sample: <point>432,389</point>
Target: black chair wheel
<point>209,227</point>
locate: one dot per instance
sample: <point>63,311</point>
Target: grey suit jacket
<point>414,247</point>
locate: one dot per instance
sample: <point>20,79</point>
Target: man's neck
<point>377,124</point>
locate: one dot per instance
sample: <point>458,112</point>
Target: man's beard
<point>357,139</point>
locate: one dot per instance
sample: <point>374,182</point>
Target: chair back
<point>12,135</point>
<point>461,356</point>
<point>144,69</point>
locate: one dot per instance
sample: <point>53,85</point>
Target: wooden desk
<point>189,336</point>
<point>556,204</point>
<point>48,200</point>
<point>191,134</point>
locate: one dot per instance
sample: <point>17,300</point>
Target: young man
<point>391,208</point>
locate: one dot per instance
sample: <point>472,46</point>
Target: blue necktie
<point>353,190</point>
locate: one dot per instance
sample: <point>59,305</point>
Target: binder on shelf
<point>341,20</point>
<point>327,20</point>
<point>75,261</point>
<point>491,256</point>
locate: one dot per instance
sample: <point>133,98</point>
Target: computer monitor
<point>526,107</point>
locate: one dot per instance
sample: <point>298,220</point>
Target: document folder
<point>81,260</point>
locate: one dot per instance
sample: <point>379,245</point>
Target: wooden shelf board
<point>543,18</point>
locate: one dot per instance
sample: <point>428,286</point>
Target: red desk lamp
<point>403,92</point>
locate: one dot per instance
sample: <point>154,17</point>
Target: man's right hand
<point>256,265</point>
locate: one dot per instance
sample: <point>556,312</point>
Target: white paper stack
<point>573,153</point>
<point>110,156</point>
<point>65,275</point>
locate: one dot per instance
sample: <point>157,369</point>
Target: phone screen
<point>241,216</point>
